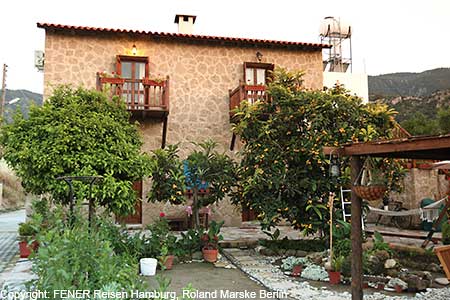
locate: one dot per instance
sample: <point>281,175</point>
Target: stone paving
<point>8,248</point>
<point>261,269</point>
<point>9,223</point>
<point>16,276</point>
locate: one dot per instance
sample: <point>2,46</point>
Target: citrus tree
<point>203,168</point>
<point>283,173</point>
<point>77,132</point>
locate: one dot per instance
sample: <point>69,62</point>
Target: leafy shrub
<point>290,262</point>
<point>313,245</point>
<point>342,247</point>
<point>337,262</point>
<point>78,258</point>
<point>379,244</point>
<point>212,237</point>
<point>77,132</point>
<point>446,233</point>
<point>27,229</point>
<point>190,242</point>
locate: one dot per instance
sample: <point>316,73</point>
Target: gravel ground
<point>261,269</point>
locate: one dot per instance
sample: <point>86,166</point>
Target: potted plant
<point>373,181</point>
<point>210,241</point>
<point>27,243</point>
<point>335,273</point>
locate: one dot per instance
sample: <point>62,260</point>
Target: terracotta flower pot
<point>398,288</point>
<point>335,277</point>
<point>297,271</point>
<point>25,249</point>
<point>380,286</point>
<point>210,255</point>
<point>169,262</point>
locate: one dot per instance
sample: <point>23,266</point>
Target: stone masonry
<point>201,75</point>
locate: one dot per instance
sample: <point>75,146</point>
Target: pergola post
<point>356,236</point>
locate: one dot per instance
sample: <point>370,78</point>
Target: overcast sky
<point>388,35</point>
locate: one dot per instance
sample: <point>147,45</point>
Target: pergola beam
<point>428,147</point>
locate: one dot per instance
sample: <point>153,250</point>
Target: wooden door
<point>248,214</point>
<point>135,218</point>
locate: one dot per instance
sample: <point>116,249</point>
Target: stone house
<point>179,86</point>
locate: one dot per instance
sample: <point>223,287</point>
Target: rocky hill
<point>20,100</point>
<point>409,84</point>
<point>421,99</point>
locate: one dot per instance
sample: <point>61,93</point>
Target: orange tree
<point>283,173</point>
<point>77,132</point>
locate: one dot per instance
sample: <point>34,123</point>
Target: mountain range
<point>20,99</point>
<point>409,84</point>
<point>413,93</point>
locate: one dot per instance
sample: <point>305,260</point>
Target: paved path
<point>261,269</point>
<point>9,223</point>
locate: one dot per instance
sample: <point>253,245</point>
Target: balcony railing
<point>144,97</point>
<point>250,93</point>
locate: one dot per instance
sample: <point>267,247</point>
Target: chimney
<point>185,23</point>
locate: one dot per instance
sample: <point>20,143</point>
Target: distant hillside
<point>27,98</point>
<point>409,84</point>
<point>422,100</point>
<point>408,106</point>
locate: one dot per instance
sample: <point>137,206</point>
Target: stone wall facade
<point>201,75</point>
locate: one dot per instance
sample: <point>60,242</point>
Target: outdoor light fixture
<point>334,166</point>
<point>134,50</point>
<point>259,56</point>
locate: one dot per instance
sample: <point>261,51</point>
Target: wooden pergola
<point>426,147</point>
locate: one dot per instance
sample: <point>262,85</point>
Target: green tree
<point>419,124</point>
<point>283,173</point>
<point>77,132</point>
<point>168,180</point>
<point>203,167</point>
<point>444,120</point>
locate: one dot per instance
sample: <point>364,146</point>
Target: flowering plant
<point>211,238</point>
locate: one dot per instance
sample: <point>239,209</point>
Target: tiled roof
<point>189,37</point>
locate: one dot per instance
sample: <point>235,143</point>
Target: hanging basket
<point>370,192</point>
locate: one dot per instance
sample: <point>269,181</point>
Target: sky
<point>388,35</point>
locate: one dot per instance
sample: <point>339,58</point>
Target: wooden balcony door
<point>135,218</point>
<point>257,74</point>
<point>133,69</point>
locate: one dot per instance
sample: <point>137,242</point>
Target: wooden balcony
<point>144,98</point>
<point>249,93</point>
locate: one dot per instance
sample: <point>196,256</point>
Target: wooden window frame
<point>129,58</point>
<point>257,65</point>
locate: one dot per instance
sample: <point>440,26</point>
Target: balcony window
<point>257,73</point>
<point>133,69</point>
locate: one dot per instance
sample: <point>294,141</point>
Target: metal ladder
<point>346,203</point>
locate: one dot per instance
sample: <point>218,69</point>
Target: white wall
<point>355,82</point>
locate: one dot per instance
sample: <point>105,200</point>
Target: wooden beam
<point>403,148</point>
<point>356,235</point>
<point>332,150</point>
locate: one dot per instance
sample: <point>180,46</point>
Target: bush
<point>77,132</point>
<point>316,245</point>
<point>446,233</point>
<point>78,258</point>
<point>190,242</point>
